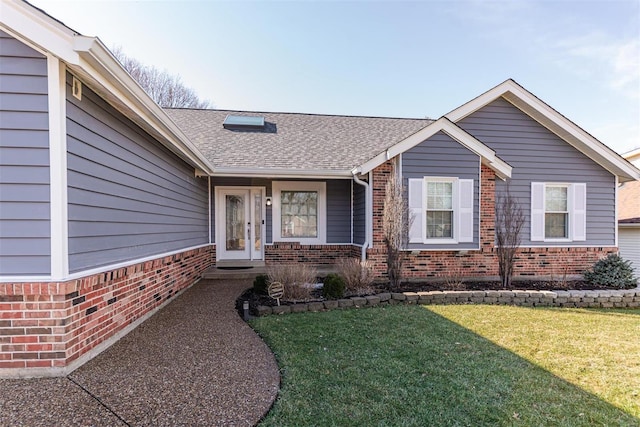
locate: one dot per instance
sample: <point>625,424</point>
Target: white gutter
<point>367,212</point>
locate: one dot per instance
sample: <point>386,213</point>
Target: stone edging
<point>589,299</point>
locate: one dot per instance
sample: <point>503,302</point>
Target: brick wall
<point>49,325</point>
<point>482,262</point>
<point>288,253</point>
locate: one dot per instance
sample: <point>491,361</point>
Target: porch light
<point>268,201</point>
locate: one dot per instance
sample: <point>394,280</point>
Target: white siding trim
<point>56,74</point>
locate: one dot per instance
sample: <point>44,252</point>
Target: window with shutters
<point>442,209</point>
<point>558,212</point>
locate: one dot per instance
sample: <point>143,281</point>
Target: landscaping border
<point>628,298</point>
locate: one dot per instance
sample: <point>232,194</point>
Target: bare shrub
<point>560,281</point>
<point>296,279</point>
<point>509,221</point>
<point>396,222</point>
<point>358,275</point>
<point>454,277</point>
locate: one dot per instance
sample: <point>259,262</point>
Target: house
<point>110,205</point>
<point>629,216</point>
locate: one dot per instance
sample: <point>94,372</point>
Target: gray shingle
<point>292,140</point>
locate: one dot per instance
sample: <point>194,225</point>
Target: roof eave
<point>283,173</point>
<point>99,65</point>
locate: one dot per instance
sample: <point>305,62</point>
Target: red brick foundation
<point>50,325</point>
<point>482,262</point>
<point>289,253</point>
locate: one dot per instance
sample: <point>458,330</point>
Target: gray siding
<point>129,197</point>
<point>25,229</point>
<point>339,211</point>
<point>359,210</point>
<point>441,156</point>
<point>338,205</point>
<point>538,155</point>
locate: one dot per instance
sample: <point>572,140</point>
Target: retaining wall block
<point>299,308</point>
<point>398,296</point>
<point>359,301</point>
<point>263,310</point>
<point>315,306</point>
<point>347,302</point>
<point>330,304</point>
<point>282,309</point>
<point>411,296</point>
<point>385,296</point>
<point>372,300</point>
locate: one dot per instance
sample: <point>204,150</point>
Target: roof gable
<point>555,122</point>
<point>487,155</point>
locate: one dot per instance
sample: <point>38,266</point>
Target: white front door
<point>240,223</point>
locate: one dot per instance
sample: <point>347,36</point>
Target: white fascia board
<point>443,124</point>
<point>38,29</point>
<point>283,173</point>
<point>98,62</point>
<point>555,122</point>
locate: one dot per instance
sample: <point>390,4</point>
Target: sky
<point>386,58</point>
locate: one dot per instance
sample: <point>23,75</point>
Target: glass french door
<point>241,223</point>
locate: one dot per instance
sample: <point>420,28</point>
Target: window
<point>558,212</point>
<point>299,211</point>
<point>442,210</point>
<point>439,209</point>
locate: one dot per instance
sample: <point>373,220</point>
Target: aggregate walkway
<point>195,362</point>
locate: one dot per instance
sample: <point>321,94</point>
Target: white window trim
<point>455,209</point>
<point>572,211</point>
<point>569,213</point>
<point>319,186</point>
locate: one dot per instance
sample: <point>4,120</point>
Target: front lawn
<point>456,365</point>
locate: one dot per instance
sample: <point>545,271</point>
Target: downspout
<point>367,212</point>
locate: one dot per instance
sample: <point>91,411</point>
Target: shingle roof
<point>293,141</point>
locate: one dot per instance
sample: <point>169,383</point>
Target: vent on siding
<point>243,122</point>
<point>76,89</point>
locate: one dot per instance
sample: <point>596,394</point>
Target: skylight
<point>243,122</point>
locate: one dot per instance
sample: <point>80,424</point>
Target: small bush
<point>358,275</point>
<point>333,287</point>
<point>261,284</point>
<point>297,280</point>
<point>612,272</point>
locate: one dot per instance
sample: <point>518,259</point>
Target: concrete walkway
<point>195,362</point>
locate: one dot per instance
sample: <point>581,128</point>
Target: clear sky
<point>386,58</point>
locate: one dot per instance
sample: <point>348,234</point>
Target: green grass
<point>456,365</point>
